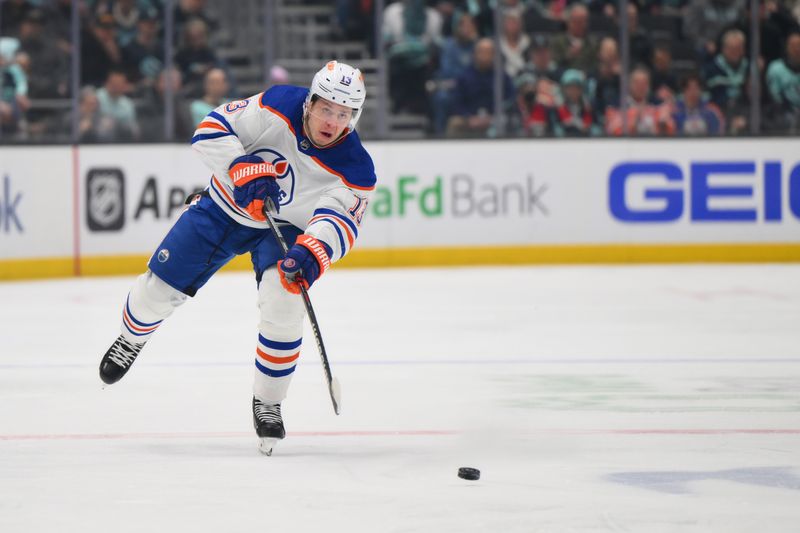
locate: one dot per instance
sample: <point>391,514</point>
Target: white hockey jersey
<point>323,191</point>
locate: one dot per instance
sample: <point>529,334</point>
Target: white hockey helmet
<point>341,84</point>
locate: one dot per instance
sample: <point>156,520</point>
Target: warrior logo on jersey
<point>283,170</point>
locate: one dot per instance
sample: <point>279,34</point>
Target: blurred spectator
<point>457,51</point>
<point>60,23</point>
<point>12,13</point>
<point>13,87</point>
<point>195,57</point>
<point>513,42</point>
<point>575,48</point>
<point>776,22</point>
<point>215,90</point>
<point>604,81</point>
<point>447,10</point>
<point>143,57</point>
<point>664,81</point>
<point>794,7</point>
<point>412,33</point>
<point>117,108</point>
<point>455,56</point>
<point>540,63</point>
<point>473,96</point>
<point>694,115</point>
<point>483,13</point>
<point>575,116</point>
<point>641,44</point>
<point>705,20</point>
<point>49,72</point>
<point>726,78</point>
<point>644,116</point>
<point>649,7</point>
<point>188,10</point>
<point>538,10</point>
<point>126,15</point>
<point>783,82</point>
<point>153,110</point>
<point>537,100</point>
<point>669,7</point>
<point>278,75</point>
<point>99,50</point>
<point>92,126</point>
<point>355,21</point>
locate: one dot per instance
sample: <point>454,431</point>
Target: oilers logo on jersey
<point>283,170</point>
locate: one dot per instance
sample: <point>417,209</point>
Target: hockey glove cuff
<point>304,263</point>
<point>253,182</point>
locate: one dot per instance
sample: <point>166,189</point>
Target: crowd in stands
<point>560,66</point>
<point>689,67</point>
<point>123,77</point>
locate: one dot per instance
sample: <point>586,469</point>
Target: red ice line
<point>230,434</point>
<point>403,433</point>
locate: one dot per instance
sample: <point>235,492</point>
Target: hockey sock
<point>149,302</point>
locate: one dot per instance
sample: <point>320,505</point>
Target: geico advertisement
<point>707,191</point>
<point>36,208</point>
<point>131,195</point>
<point>549,192</point>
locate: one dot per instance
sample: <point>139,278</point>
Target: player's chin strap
<point>334,388</point>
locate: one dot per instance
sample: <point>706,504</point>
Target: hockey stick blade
<point>333,384</point>
<point>336,395</point>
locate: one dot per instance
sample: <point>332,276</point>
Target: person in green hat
<point>575,116</point>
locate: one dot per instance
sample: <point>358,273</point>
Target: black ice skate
<point>269,425</point>
<point>118,359</point>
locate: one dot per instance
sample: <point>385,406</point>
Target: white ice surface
<point>636,399</point>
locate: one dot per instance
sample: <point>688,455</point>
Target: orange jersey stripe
<point>340,176</point>
<point>213,126</point>
<point>277,360</point>
<point>231,203</point>
<point>276,113</point>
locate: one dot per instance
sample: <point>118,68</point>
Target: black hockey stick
<point>333,383</point>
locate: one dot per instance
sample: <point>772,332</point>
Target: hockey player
<point>291,149</point>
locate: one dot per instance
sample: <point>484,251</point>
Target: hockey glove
<point>253,182</point>
<point>304,263</point>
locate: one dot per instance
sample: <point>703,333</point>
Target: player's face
<point>326,121</point>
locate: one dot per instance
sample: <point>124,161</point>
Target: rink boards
<point>102,209</point>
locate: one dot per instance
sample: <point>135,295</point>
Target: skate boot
<point>269,425</point>
<point>118,359</point>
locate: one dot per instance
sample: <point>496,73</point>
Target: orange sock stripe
<point>277,360</point>
<point>130,324</point>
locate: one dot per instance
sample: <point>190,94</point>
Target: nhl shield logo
<point>105,199</point>
<point>304,144</point>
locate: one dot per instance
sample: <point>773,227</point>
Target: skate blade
<point>266,445</point>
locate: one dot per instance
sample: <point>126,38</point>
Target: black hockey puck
<point>472,474</point>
